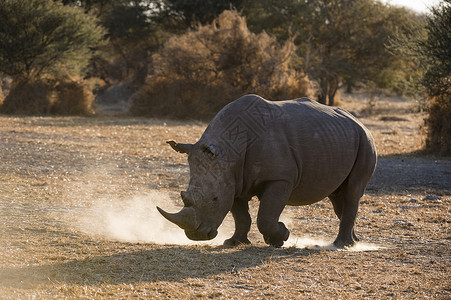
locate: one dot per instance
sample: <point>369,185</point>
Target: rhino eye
<point>215,199</point>
<point>208,151</point>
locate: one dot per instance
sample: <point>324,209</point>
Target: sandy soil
<point>77,218</point>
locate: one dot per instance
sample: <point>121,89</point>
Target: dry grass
<point>55,168</point>
<point>395,123</point>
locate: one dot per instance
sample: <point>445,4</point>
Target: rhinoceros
<point>294,152</point>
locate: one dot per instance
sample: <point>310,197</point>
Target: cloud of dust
<point>137,220</point>
<point>318,243</point>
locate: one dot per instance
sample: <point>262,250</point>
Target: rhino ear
<point>211,150</point>
<point>181,148</point>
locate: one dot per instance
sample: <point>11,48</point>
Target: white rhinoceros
<point>294,152</point>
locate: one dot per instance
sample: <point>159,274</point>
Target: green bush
<point>197,73</point>
<point>43,36</point>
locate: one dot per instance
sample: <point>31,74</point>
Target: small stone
<point>402,222</point>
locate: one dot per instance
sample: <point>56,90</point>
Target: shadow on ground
<point>401,173</point>
<point>170,263</point>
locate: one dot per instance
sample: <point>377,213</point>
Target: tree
<point>188,13</point>
<point>134,28</point>
<point>436,50</point>
<point>44,37</point>
<point>132,34</point>
<point>436,53</point>
<point>340,42</point>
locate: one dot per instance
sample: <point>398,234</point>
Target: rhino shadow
<point>172,263</point>
<point>399,173</point>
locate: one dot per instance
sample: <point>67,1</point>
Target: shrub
<point>28,97</point>
<point>197,73</point>
<point>436,54</point>
<point>439,125</point>
<point>72,97</point>
<point>43,40</point>
<point>48,96</point>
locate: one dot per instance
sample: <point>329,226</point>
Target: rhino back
<point>312,146</point>
<point>325,142</point>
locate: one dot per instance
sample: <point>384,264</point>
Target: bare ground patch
<point>55,171</point>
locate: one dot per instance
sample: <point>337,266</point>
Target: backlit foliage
<point>197,73</point>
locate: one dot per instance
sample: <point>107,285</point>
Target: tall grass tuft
<point>196,74</point>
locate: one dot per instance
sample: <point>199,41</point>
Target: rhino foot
<point>233,242</point>
<point>346,242</point>
<point>277,242</point>
<point>342,244</point>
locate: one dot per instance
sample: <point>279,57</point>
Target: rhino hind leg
<point>338,199</point>
<point>346,198</point>
<point>342,202</point>
<point>240,213</point>
<point>272,202</point>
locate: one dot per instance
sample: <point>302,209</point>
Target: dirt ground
<point>64,179</point>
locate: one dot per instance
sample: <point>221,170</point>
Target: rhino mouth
<point>202,234</point>
<point>188,220</point>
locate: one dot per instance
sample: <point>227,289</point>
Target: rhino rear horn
<point>181,148</point>
<point>186,198</point>
<point>185,219</point>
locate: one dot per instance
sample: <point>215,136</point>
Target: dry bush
<point>438,124</point>
<point>73,97</point>
<point>64,96</point>
<point>197,73</point>
<point>28,97</point>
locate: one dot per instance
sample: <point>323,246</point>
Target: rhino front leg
<point>240,213</point>
<point>272,202</point>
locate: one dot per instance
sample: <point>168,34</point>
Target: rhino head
<point>210,193</point>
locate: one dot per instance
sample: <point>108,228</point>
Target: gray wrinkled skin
<point>293,152</point>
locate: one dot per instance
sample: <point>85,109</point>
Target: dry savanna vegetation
<point>201,71</point>
<point>78,218</point>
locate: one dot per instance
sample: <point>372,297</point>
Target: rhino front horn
<point>185,219</point>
